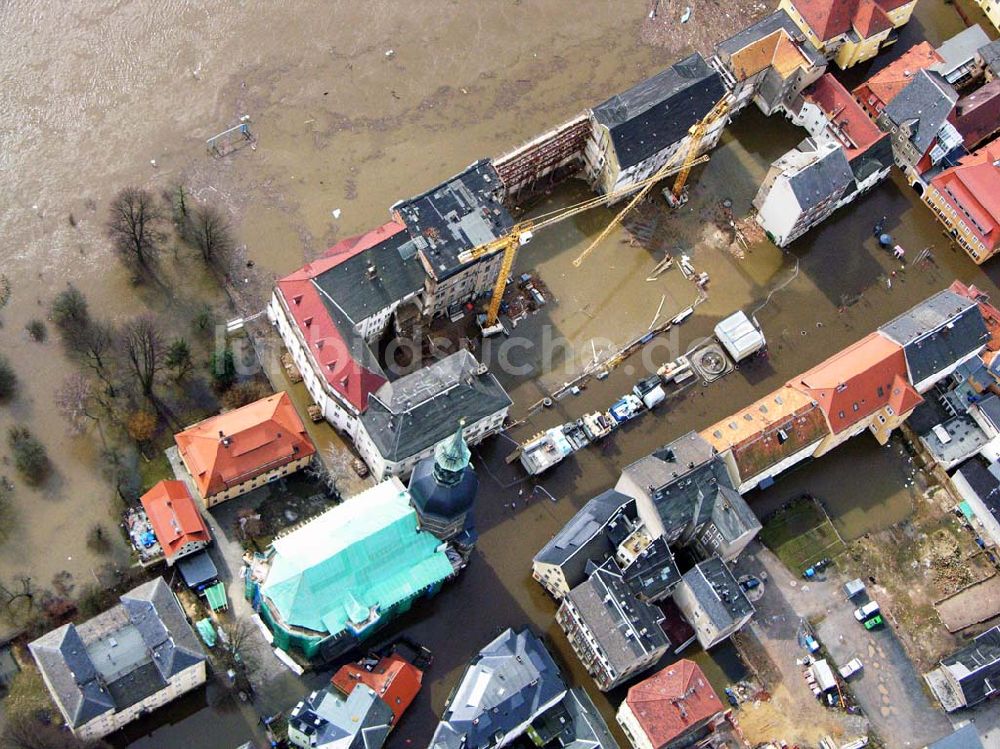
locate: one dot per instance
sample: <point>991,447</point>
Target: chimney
<point>371,271</point>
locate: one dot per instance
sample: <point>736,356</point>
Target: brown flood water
<point>90,96</point>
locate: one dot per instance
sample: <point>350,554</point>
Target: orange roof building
<point>864,386</point>
<point>875,93</point>
<point>232,453</point>
<point>177,524</point>
<point>966,199</point>
<point>393,679</point>
<point>675,707</point>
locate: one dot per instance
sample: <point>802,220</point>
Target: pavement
<point>889,690</point>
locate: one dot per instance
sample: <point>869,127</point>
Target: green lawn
<point>801,534</point>
<point>153,470</point>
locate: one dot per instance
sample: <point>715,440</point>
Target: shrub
<point>223,369</point>
<point>36,329</point>
<point>30,458</point>
<point>8,380</point>
<point>243,393</point>
<point>141,425</point>
<point>69,312</point>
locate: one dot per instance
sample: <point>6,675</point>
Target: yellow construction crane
<point>522,232</point>
<point>691,158</point>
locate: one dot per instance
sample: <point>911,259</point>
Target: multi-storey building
<point>121,664</point>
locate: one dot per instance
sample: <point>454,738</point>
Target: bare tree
<point>97,350</point>
<point>213,237</point>
<point>28,733</point>
<point>76,402</point>
<point>143,351</point>
<point>134,225</point>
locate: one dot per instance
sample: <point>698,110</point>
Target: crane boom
<point>720,109</point>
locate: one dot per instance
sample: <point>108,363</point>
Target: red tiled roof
<point>855,383</point>
<point>174,516</point>
<point>851,124</point>
<point>672,701</point>
<point>394,680</point>
<point>336,354</point>
<point>870,19</point>
<point>234,447</point>
<point>977,116</point>
<point>991,315</point>
<point>831,18</point>
<point>974,187</point>
<point>886,84</point>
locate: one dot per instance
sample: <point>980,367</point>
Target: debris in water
<point>336,213</point>
<point>687,14</point>
<point>390,52</point>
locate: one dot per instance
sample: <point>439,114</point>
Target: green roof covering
<point>216,597</point>
<point>353,561</point>
<point>207,632</point>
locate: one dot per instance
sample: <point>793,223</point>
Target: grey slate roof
<point>653,573</point>
<point>420,409</point>
<point>975,665</point>
<point>966,737</point>
<point>766,26</point>
<point>983,483</point>
<point>732,516</point>
<point>510,682</point>
<point>990,408</point>
<point>583,538</point>
<point>462,212</point>
<point>681,480</point>
<point>156,642</point>
<point>659,111</point>
<point>717,592</point>
<point>990,54</point>
<point>625,628</point>
<point>937,333</point>
<point>359,294</point>
<point>829,174</point>
<point>960,49</point>
<point>588,729</point>
<point>362,721</point>
<point>925,104</point>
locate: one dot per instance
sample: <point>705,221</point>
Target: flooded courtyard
<point>355,107</point>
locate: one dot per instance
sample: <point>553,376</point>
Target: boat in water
<point>575,434</point>
<point>598,425</point>
<point>545,450</point>
<point>626,409</point>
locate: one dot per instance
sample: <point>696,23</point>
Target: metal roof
<point>365,554</point>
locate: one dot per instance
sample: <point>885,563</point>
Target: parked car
<point>850,668</point>
<point>863,613</point>
<point>875,621</point>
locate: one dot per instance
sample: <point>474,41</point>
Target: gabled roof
<point>977,116</point>
<point>924,106</point>
<point>831,18</point>
<point>991,315</point>
<point>323,295</point>
<point>393,679</point>
<point>507,684</point>
<point>419,410</point>
<point>672,701</point>
<point>975,185</point>
<point>583,538</point>
<point>990,55</point>
<point>174,516</point>
<point>766,432</point>
<point>855,383</point>
<point>773,40</point>
<point>626,629</point>
<point>937,333</point>
<point>330,573</point>
<point>893,78</point>
<point>976,667</point>
<point>851,125</point>
<point>233,447</point>
<point>824,173</point>
<point>659,111</point>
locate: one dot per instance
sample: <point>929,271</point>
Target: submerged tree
<point>8,380</point>
<point>143,351</point>
<point>134,226</point>
<point>211,234</point>
<point>30,458</point>
<point>70,314</point>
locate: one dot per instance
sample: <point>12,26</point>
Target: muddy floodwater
<point>354,107</point>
